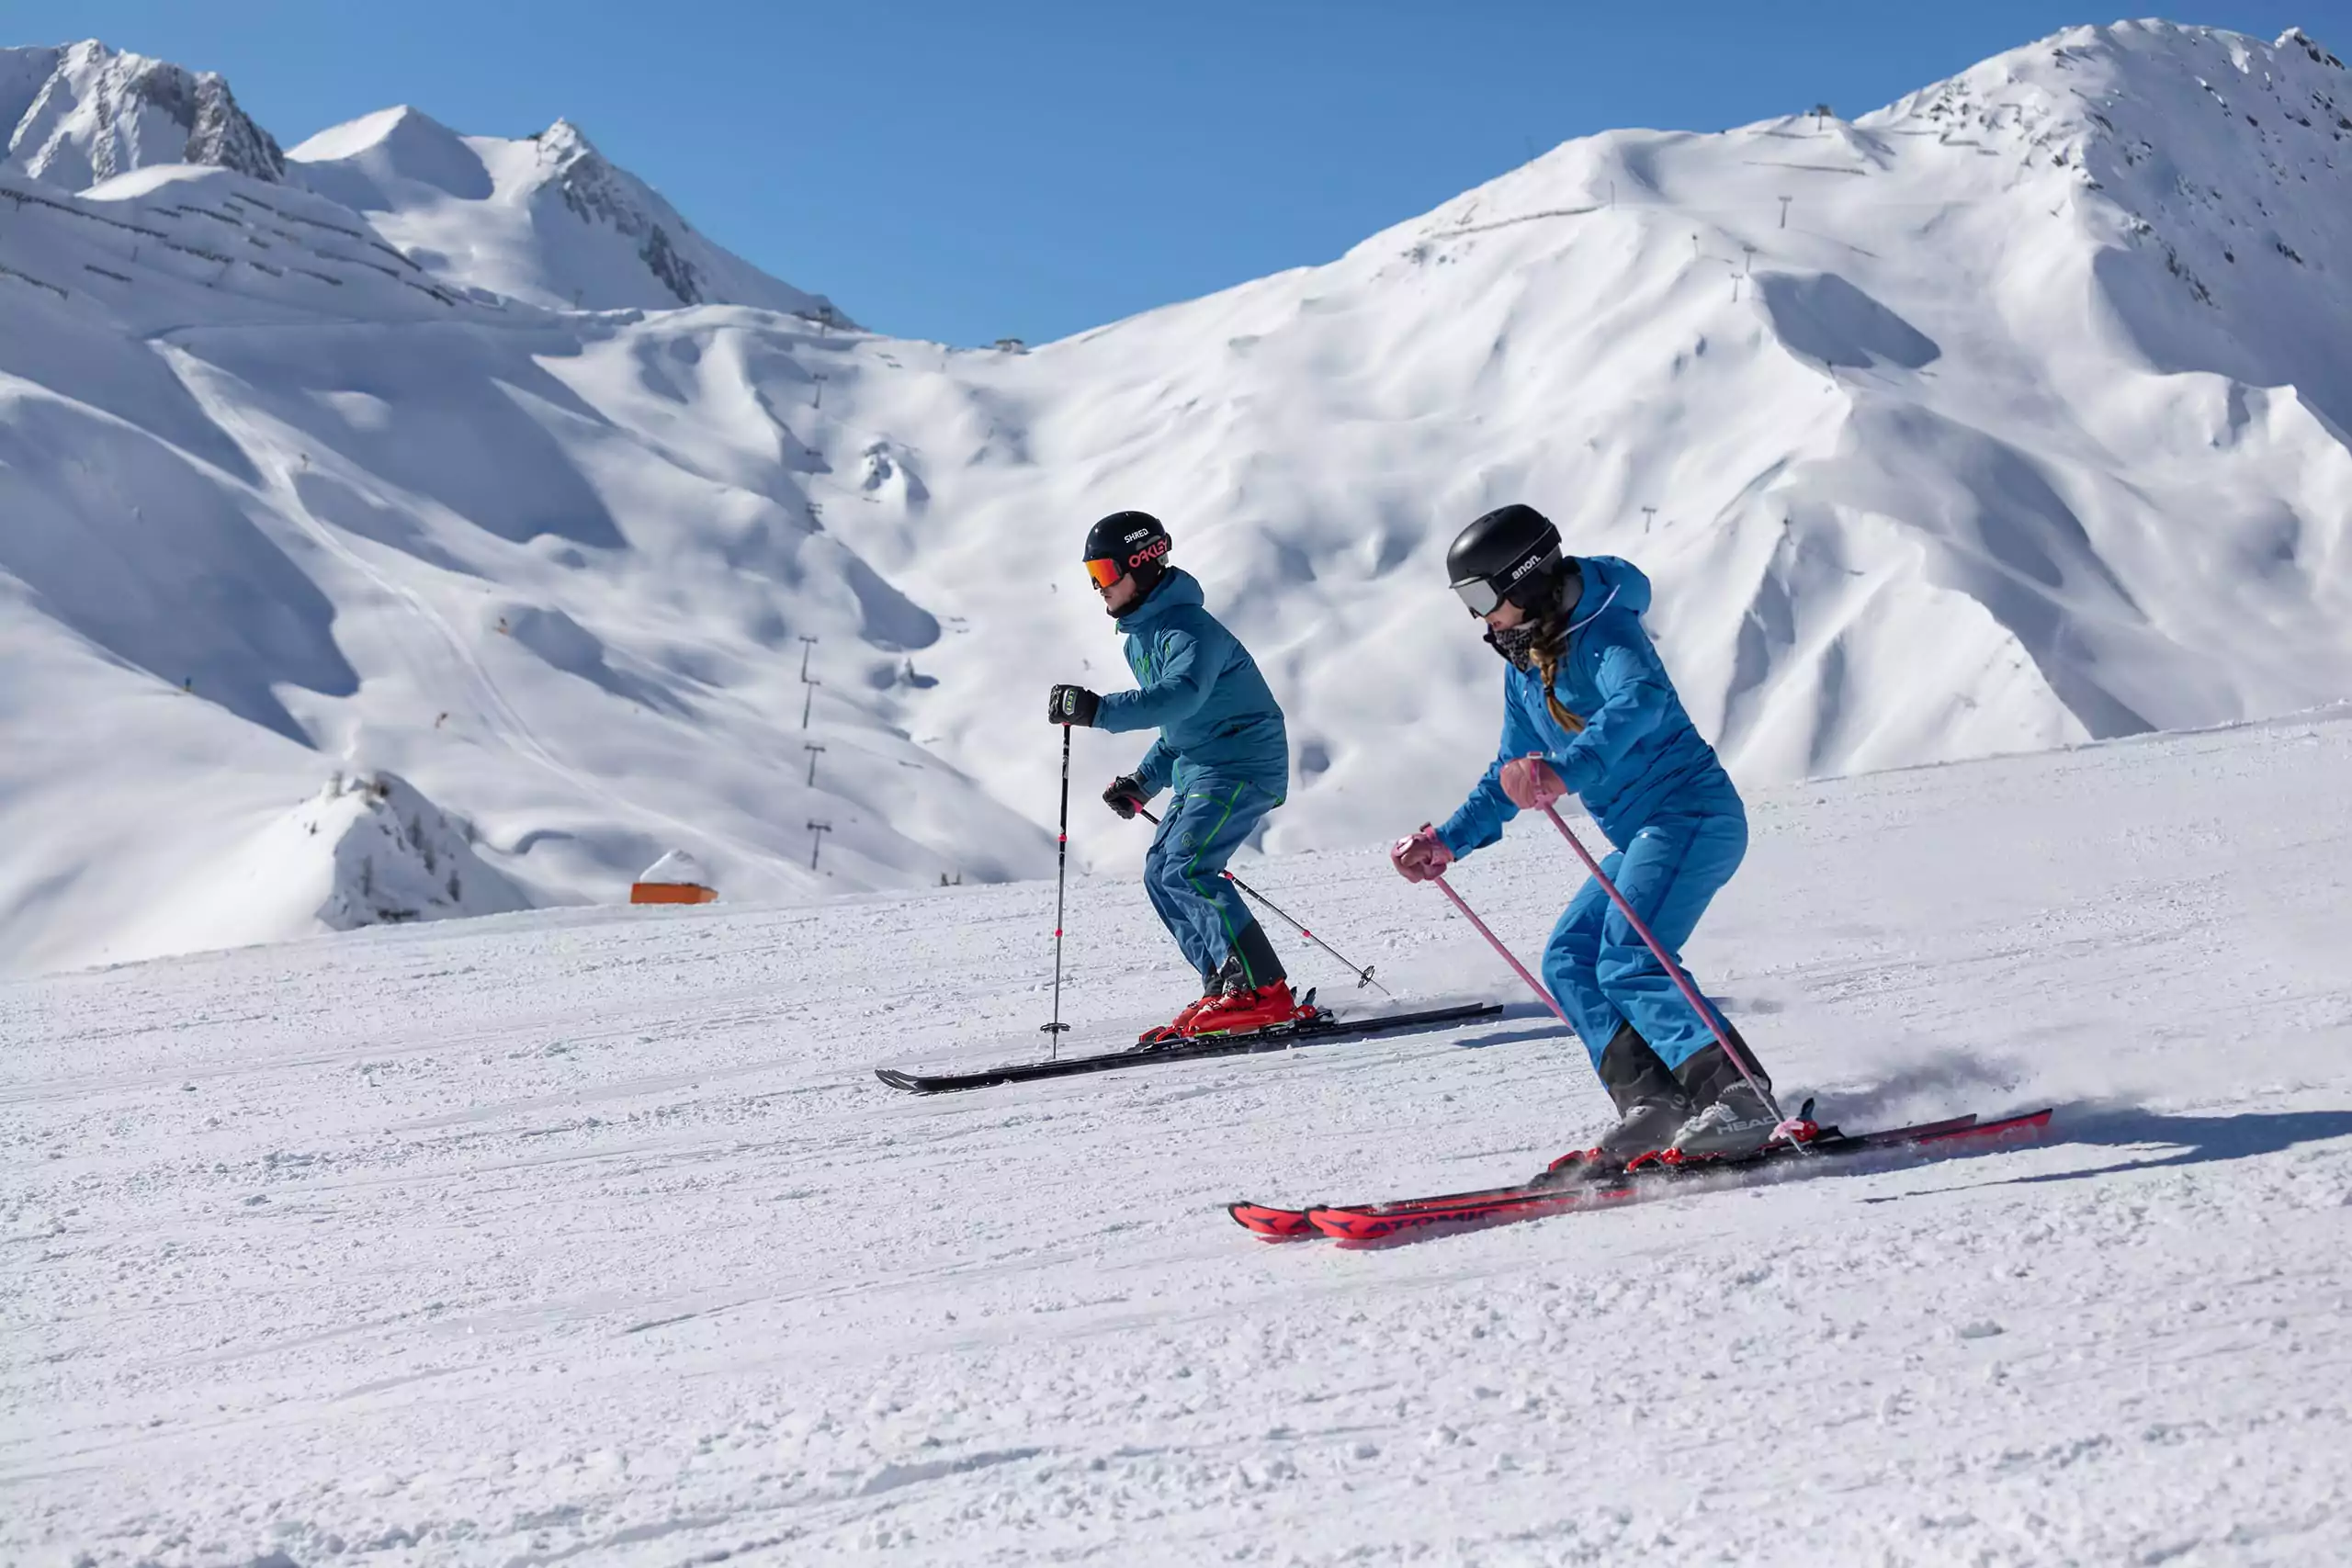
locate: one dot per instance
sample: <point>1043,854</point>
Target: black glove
<point>1071,704</point>
<point>1126,797</point>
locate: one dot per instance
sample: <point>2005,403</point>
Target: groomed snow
<point>588,1237</point>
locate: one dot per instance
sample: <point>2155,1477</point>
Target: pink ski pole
<point>1673,970</point>
<point>1496,943</point>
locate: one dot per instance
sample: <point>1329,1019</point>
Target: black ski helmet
<point>1507,553</point>
<point>1125,543</point>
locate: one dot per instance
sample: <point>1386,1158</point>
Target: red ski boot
<point>1241,1011</point>
<point>1178,1028</point>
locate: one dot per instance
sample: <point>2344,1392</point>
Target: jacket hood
<point>1177,588</point>
<point>1607,575</point>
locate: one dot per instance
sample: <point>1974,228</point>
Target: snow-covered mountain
<point>2010,415</point>
<point>546,219</point>
<point>84,113</point>
<point>2029,426</point>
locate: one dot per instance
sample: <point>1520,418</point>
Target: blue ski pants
<point>1206,820</point>
<point>1598,966</point>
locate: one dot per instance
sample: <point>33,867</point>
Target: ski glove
<point>1420,854</point>
<point>1531,783</point>
<point>1126,797</point>
<point>1071,704</point>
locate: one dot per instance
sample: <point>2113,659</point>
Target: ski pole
<point>1363,976</point>
<point>1674,971</point>
<point>1496,944</point>
<point>1055,1030</point>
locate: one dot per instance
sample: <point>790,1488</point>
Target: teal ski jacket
<point>1202,691</point>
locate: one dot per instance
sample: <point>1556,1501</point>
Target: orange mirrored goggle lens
<point>1105,572</point>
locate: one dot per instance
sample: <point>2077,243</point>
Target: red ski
<point>1566,1184</point>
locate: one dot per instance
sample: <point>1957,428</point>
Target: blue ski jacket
<point>1637,756</point>
<point>1201,690</point>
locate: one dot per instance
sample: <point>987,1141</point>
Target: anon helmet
<point>1511,553</point>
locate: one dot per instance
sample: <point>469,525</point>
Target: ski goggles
<point>1106,572</point>
<point>1483,594</point>
<point>1480,596</point>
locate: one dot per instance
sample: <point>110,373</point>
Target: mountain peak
<point>564,141</point>
<point>393,158</point>
<point>546,219</point>
<point>354,137</point>
<point>78,116</point>
<point>2295,38</point>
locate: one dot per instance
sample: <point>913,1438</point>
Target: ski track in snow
<point>587,1236</point>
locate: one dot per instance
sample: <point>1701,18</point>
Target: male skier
<point>1223,747</point>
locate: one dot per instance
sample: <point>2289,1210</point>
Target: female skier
<point>1589,710</point>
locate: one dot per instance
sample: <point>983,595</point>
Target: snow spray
<point>1699,1004</point>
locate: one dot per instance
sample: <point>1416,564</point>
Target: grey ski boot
<point>1733,1121</point>
<point>1651,1106</point>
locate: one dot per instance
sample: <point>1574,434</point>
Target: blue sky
<point>966,171</point>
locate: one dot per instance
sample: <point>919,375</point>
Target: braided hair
<point>1547,657</point>
<point>1538,643</point>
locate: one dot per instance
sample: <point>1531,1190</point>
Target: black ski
<point>1276,1037</point>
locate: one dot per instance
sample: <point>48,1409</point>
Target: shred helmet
<point>1127,544</point>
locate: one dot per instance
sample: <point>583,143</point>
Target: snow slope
<point>2022,421</point>
<point>356,519</point>
<point>588,1237</point>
